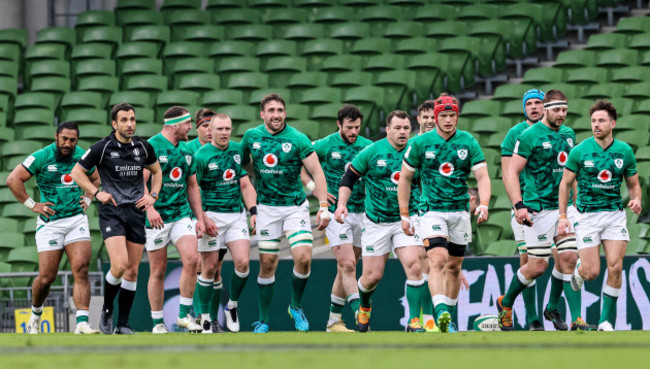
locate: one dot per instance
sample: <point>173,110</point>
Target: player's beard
<point>347,139</point>
<point>63,157</point>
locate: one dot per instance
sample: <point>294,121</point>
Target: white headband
<point>556,104</point>
<point>177,120</point>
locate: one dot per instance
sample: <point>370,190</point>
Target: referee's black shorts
<point>122,220</point>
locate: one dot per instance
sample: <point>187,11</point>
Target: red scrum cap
<point>445,103</point>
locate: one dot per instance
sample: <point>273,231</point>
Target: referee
<point>120,159</point>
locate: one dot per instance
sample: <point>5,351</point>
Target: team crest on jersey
<point>237,158</point>
<point>462,154</point>
<point>604,176</point>
<point>446,169</point>
<point>162,159</point>
<point>570,141</point>
<point>136,152</point>
<point>228,175</point>
<point>618,163</point>
<point>188,159</point>
<point>286,147</point>
<point>394,177</point>
<point>270,160</point>
<point>176,174</point>
<point>562,157</point>
<point>66,179</point>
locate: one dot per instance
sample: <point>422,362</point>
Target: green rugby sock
<point>298,284</point>
<point>414,292</point>
<point>557,284</point>
<point>196,302</point>
<point>265,295</point>
<point>354,302</point>
<point>574,299</point>
<point>237,284</point>
<point>216,301</point>
<point>529,301</point>
<point>610,296</point>
<point>204,293</point>
<point>364,295</point>
<point>427,305</point>
<point>517,285</point>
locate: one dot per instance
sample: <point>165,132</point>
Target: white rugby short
<point>348,232</point>
<point>572,215</point>
<point>274,221</point>
<point>378,239</point>
<point>592,228</point>
<point>57,234</point>
<point>454,225</point>
<point>232,227</point>
<point>170,233</point>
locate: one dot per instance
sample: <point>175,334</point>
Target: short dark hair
<point>604,105</point>
<point>427,105</point>
<point>349,111</point>
<point>174,111</point>
<point>67,125</point>
<point>401,114</point>
<point>473,191</point>
<point>202,113</point>
<point>271,97</point>
<point>552,95</point>
<point>120,107</point>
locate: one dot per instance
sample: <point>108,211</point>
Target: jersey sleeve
<point>412,157</point>
<point>630,169</point>
<point>361,162</point>
<point>93,156</point>
<point>151,153</point>
<point>476,155</point>
<point>198,166</point>
<point>573,163</point>
<point>79,153</point>
<point>523,146</point>
<point>304,147</point>
<point>34,162</point>
<point>508,144</point>
<point>320,147</point>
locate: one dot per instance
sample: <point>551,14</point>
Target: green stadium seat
<point>226,67</point>
<point>4,108</point>
<point>147,130</point>
<point>630,74</point>
<point>80,100</point>
<point>641,107</point>
<point>279,20</point>
<point>513,110</point>
<point>356,4</point>
<point>48,68</point>
<point>604,91</point>
<point>247,81</point>
<point>268,5</point>
<point>151,84</point>
<point>45,137</point>
<point>102,84</point>
<point>331,15</point>
<point>573,59</point>
<point>275,48</point>
<point>308,127</point>
<point>216,99</point>
<point>379,16</point>
<point>371,46</point>
<point>623,107</point>
<point>316,51</point>
<point>398,88</point>
<point>341,63</point>
<point>160,35</point>
<point>42,52</point>
<point>225,49</point>
<point>102,34</point>
<point>503,247</point>
<point>478,12</point>
<point>57,35</point>
<point>636,246</point>
<point>8,86</point>
<point>10,53</point>
<point>587,76</point>
<point>382,63</point>
<point>314,5</point>
<point>638,42</point>
<point>281,68</point>
<point>90,51</point>
<point>321,95</point>
<point>349,33</point>
<point>138,17</point>
<point>637,91</point>
<point>435,13</point>
<point>606,41</point>
<point>89,118</point>
<point>56,86</point>
<point>14,36</point>
<point>401,30</point>
<point>250,33</point>
<point>480,108</point>
<point>198,82</point>
<point>487,234</point>
<point>170,98</point>
<point>484,126</point>
<point>510,92</point>
<point>170,6</point>
<point>241,113</point>
<point>298,83</point>
<point>414,46</point>
<point>10,240</point>
<point>181,21</point>
<point>94,67</point>
<point>571,91</point>
<point>550,18</point>
<point>93,18</point>
<point>19,150</point>
<point>632,26</point>
<point>635,138</point>
<point>430,78</point>
<point>294,112</point>
<point>220,5</point>
<point>443,30</point>
<point>617,58</point>
<point>351,79</point>
<point>256,96</point>
<point>180,50</point>
<point>136,98</point>
<point>366,99</point>
<point>34,100</point>
<point>187,66</point>
<point>642,154</point>
<point>304,32</point>
<point>205,35</point>
<point>639,230</point>
<point>236,16</point>
<point>23,259</point>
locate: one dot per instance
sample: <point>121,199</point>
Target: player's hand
<point>340,214</point>
<point>253,222</point>
<point>635,206</point>
<point>199,228</point>
<point>145,202</point>
<point>523,217</point>
<point>563,226</point>
<point>463,282</point>
<point>84,202</point>
<point>105,198</point>
<point>483,213</point>
<point>407,226</point>
<point>323,218</point>
<point>44,208</point>
<point>210,228</point>
<point>155,220</point>
<point>331,199</point>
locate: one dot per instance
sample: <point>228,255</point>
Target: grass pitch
<point>522,350</point>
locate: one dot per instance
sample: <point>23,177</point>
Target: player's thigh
<point>240,252</point>
<point>237,233</point>
<point>590,258</point>
<point>373,267</point>
<point>48,263</point>
<point>183,236</point>
<point>297,224</point>
<point>614,253</point>
<point>376,239</point>
<point>409,257</point>
<point>79,254</point>
<point>134,251</point>
<point>209,261</point>
<point>117,250</point>
<point>344,255</point>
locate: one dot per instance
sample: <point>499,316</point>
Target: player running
<point>170,222</point>
<point>533,110</point>
<point>445,158</point>
<point>335,153</point>
<point>541,152</point>
<point>223,183</point>
<point>61,224</point>
<point>379,164</point>
<point>276,152</point>
<point>120,159</point>
<point>599,164</point>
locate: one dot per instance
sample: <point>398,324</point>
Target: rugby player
<point>600,164</point>
<point>61,224</point>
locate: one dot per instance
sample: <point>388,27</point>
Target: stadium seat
<point>198,82</point>
<point>102,84</point>
<point>399,90</point>
<point>606,41</point>
<point>294,111</point>
<point>256,96</point>
<point>247,81</point>
<point>57,35</point>
<point>371,46</point>
<point>56,86</point>
<point>279,20</point>
<point>405,29</point>
<point>379,16</point>
<point>89,118</point>
<point>10,52</point>
<point>9,239</point>
<point>630,74</point>
<point>34,100</point>
<point>583,77</point>
<point>160,35</point>
<point>93,18</point>
<point>129,19</point>
<point>179,50</point>
<point>431,69</point>
<point>15,152</point>
<point>571,91</point>
<point>136,98</point>
<point>48,68</point>
<point>281,68</point>
<point>219,5</point>
<point>573,59</point>
<point>205,35</point>
<point>90,51</point>
<point>236,16</point>
<point>250,33</point>
<point>304,32</point>
<point>635,138</point>
<point>349,32</point>
<point>604,91</point>
<point>510,92</point>
<point>218,98</point>
<point>241,113</point>
<point>268,5</point>
<point>351,79</point>
<point>170,98</point>
<point>321,95</point>
<point>367,99</point>
<point>330,15</point>
<point>23,259</point>
<point>226,67</point>
<point>275,48</point>
<point>636,246</point>
<point>623,107</point>
<point>14,36</point>
<point>633,26</point>
<point>298,83</point>
<point>503,247</point>
<point>308,127</point>
<point>617,58</point>
<point>103,34</point>
<point>151,84</point>
<point>187,66</point>
<point>480,108</point>
<point>42,52</point>
<point>382,63</point>
<point>8,86</point>
<point>32,119</point>
<point>316,51</point>
<point>638,91</point>
<point>147,130</point>
<point>415,45</point>
<point>93,67</point>
<point>179,21</point>
<point>341,63</point>
<point>80,100</point>
<point>442,30</point>
<point>171,6</point>
<point>226,49</point>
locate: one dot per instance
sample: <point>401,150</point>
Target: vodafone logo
<point>394,177</point>
<point>176,174</point>
<point>270,160</point>
<point>604,176</point>
<point>66,179</point>
<point>562,157</point>
<point>446,169</point>
<point>228,175</point>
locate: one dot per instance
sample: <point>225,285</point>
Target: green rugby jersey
<point>508,145</point>
<point>277,161</point>
<point>218,173</point>
<point>335,156</point>
<point>54,181</point>
<point>547,152</point>
<point>444,166</point>
<point>600,172</point>
<point>194,145</point>
<point>380,164</point>
<point>177,164</point>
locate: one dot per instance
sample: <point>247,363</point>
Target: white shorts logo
<point>394,177</point>
<point>618,163</point>
<point>66,179</point>
<point>604,176</point>
<point>446,169</point>
<point>176,174</point>
<point>270,160</point>
<point>562,157</point>
<point>228,175</point>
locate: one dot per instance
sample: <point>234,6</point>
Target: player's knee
<point>118,268</point>
<point>615,269</point>
<point>347,266</point>
<point>190,261</point>
<point>371,279</point>
<point>241,264</point>
<point>154,273</point>
<point>590,274</point>
<point>81,272</point>
<point>453,269</point>
<point>132,274</point>
<point>415,269</point>
<point>47,278</point>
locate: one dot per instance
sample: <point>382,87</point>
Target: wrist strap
<point>30,203</point>
<point>253,210</point>
<point>96,192</point>
<point>520,205</point>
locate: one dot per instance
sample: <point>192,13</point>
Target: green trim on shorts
<point>298,233</point>
<point>521,247</point>
<point>39,228</point>
<point>301,242</point>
